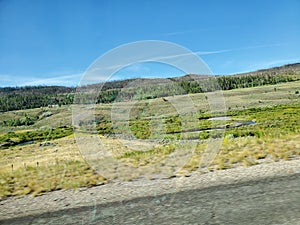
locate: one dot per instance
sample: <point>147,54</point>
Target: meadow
<point>40,151</point>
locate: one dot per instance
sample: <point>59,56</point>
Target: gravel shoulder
<point>121,191</point>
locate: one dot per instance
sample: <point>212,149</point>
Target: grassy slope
<point>57,165</point>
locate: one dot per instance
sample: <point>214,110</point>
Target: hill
<point>14,98</point>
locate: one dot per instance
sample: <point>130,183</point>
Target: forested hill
<point>13,98</point>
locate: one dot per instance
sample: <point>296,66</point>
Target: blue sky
<point>46,42</point>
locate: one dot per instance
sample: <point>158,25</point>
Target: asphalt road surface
<point>268,201</point>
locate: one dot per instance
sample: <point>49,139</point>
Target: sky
<point>54,42</point>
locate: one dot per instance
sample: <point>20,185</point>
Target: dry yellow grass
<point>35,168</point>
<point>248,151</point>
<point>63,149</point>
<point>61,165</point>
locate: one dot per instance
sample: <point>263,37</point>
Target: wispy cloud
<point>204,29</point>
<point>272,63</point>
<point>6,78</point>
<point>63,80</point>
<point>200,53</point>
<point>213,52</point>
<point>267,64</point>
<point>242,48</point>
<point>11,80</point>
<point>136,68</point>
<point>262,46</point>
